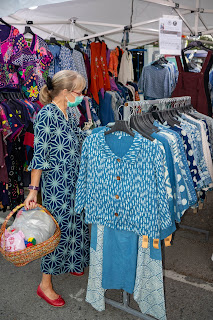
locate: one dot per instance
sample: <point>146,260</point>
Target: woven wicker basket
<point>22,257</point>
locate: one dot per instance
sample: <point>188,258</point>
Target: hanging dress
<point>195,85</point>
<point>8,71</point>
<point>99,71</point>
<point>33,64</point>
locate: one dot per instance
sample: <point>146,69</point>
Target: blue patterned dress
<point>57,153</point>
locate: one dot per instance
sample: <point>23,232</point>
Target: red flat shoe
<point>55,303</point>
<point>77,274</point>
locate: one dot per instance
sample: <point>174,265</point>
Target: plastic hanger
<point>77,47</point>
<point>151,120</point>
<point>28,30</point>
<point>54,41</point>
<point>142,121</point>
<point>166,117</point>
<point>171,118</point>
<point>68,46</point>
<point>4,22</point>
<point>2,98</point>
<point>97,39</point>
<point>134,125</point>
<point>121,125</point>
<point>195,44</point>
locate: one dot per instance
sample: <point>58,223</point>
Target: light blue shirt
<point>155,82</point>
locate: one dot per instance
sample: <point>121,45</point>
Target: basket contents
<point>14,240</point>
<point>30,227</point>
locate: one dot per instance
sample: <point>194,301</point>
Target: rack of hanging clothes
<point>103,69</point>
<point>17,115</point>
<point>26,63</point>
<point>195,84</point>
<point>116,185</point>
<point>195,135</point>
<point>158,79</point>
<point>125,250</point>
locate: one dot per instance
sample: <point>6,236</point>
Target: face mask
<point>77,101</point>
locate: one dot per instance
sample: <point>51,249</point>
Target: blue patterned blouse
<point>121,184</point>
<point>183,165</point>
<point>66,59</point>
<point>189,155</point>
<point>193,131</point>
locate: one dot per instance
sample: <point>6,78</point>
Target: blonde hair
<point>65,79</point>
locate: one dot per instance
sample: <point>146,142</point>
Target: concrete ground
<point>188,282</point>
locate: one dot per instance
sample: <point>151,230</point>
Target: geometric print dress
<point>57,145</point>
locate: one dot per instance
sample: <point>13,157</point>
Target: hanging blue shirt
<point>106,113</point>
<point>170,165</point>
<point>181,196</point>
<point>189,154</point>
<point>121,184</point>
<point>183,165</point>
<point>55,64</point>
<point>195,132</point>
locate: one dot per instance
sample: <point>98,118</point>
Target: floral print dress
<point>21,64</point>
<point>33,64</point>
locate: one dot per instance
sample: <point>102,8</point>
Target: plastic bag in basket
<point>35,223</point>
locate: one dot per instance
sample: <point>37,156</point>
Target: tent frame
<point>137,28</point>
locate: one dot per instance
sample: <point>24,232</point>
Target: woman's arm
<point>31,200</point>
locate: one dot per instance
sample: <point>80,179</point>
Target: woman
<point>56,158</point>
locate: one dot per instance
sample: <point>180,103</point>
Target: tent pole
<point>184,21</point>
<point>88,30</point>
<point>207,32</point>
<point>169,4</point>
<point>43,29</point>
<point>201,19</point>
<point>197,17</point>
<point>143,43</point>
<point>113,31</point>
<point>182,18</point>
<point>101,24</point>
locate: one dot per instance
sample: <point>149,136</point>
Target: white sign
<point>170,33</point>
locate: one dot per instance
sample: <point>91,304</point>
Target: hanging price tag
<point>156,243</point>
<point>167,241</point>
<point>145,242</point>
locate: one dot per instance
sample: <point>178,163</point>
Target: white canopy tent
<point>67,20</point>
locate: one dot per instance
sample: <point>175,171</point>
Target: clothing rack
<point>144,106</point>
<point>134,107</point>
<point>127,111</point>
<point>125,307</point>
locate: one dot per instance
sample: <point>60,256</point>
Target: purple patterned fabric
<point>8,71</point>
<point>113,85</point>
<point>33,64</point>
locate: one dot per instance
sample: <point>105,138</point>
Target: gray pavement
<point>188,282</point>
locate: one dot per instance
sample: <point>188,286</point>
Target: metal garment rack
<point>137,107</point>
<point>125,307</point>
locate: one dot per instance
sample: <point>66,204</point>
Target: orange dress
<point>99,72</point>
<point>113,62</point>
